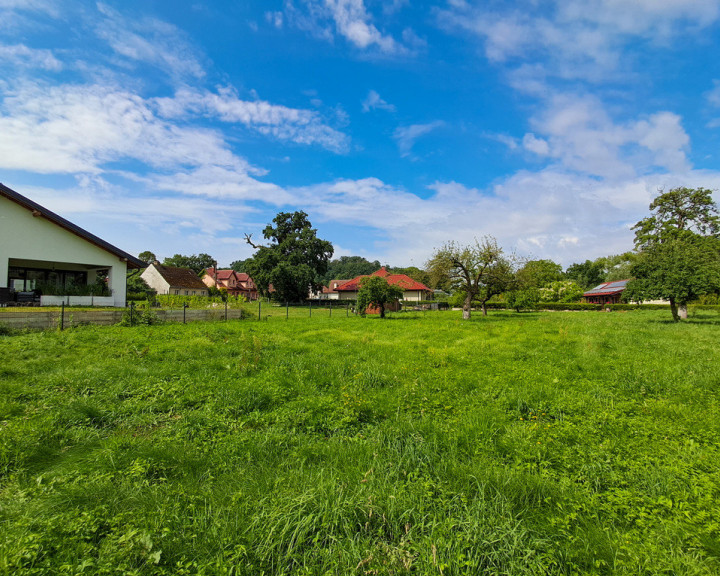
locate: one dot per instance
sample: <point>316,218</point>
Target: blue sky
<point>178,127</point>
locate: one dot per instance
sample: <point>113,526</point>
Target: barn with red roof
<point>606,293</point>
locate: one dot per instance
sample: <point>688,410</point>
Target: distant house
<point>330,292</point>
<point>413,291</point>
<point>174,281</point>
<point>42,253</point>
<point>236,283</point>
<point>606,293</point>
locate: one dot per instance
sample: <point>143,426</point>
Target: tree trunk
<point>682,311</point>
<point>382,310</point>
<point>674,310</point>
<point>484,309</point>
<point>466,307</point>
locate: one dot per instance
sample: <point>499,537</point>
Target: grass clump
<point>541,443</point>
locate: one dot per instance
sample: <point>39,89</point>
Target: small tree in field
<point>376,292</point>
<point>480,270</point>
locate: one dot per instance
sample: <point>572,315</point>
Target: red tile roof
<point>402,280</point>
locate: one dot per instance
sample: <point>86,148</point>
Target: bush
<point>567,306</point>
<point>140,315</point>
<point>173,301</point>
<point>6,330</point>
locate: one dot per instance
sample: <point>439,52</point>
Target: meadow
<point>514,444</point>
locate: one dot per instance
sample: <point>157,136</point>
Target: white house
<point>171,280</point>
<point>41,251</point>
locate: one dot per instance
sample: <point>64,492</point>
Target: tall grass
<point>540,443</point>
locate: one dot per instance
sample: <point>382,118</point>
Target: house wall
<point>33,238</point>
<point>155,280</point>
<point>415,295</point>
<point>408,295</point>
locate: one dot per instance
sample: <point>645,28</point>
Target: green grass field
<point>538,443</point>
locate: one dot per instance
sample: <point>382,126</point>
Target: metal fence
<point>67,317</point>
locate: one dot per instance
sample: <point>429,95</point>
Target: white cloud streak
<point>576,39</point>
<point>21,56</point>
<point>373,101</point>
<point>281,122</point>
<point>407,135</point>
<point>349,19</point>
<point>150,41</point>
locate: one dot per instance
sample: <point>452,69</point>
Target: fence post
<point>132,307</point>
<point>62,316</point>
<point>310,308</point>
<point>225,310</point>
<point>185,305</point>
<point>287,310</point>
<point>259,309</point>
<point>347,312</point>
<point>330,306</point>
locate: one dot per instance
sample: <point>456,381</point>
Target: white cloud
<point>579,132</point>
<point>281,122</point>
<point>150,41</point>
<point>22,56</point>
<point>576,39</point>
<point>275,19</point>
<point>67,129</point>
<point>536,145</point>
<point>549,213</point>
<point>407,135</point>
<point>713,95</point>
<point>349,19</point>
<point>374,102</point>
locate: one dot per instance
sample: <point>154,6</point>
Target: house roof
<point>226,274</point>
<point>329,288</point>
<point>219,274</point>
<point>180,277</point>
<point>402,280</point>
<point>39,210</point>
<point>608,288</point>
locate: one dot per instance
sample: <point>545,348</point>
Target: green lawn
<point>538,443</point>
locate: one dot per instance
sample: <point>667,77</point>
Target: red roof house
<point>236,283</point>
<point>606,293</point>
<point>412,289</point>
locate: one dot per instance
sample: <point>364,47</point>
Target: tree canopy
<point>349,267</point>
<point>480,270</point>
<point>677,212</point>
<point>679,247</point>
<point>197,263</point>
<point>294,262</point>
<point>239,265</point>
<point>147,256</point>
<point>375,291</point>
<point>538,273</point>
<point>587,274</point>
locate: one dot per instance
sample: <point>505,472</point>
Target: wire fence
<point>64,317</point>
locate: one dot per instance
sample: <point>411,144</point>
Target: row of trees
<point>676,258</point>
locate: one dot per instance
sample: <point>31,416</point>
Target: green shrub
<point>177,301</point>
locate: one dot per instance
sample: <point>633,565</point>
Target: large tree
<point>197,263</point>
<point>679,246</point>
<point>294,261</point>
<point>376,292</point>
<point>480,270</point>
<point>538,273</point>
